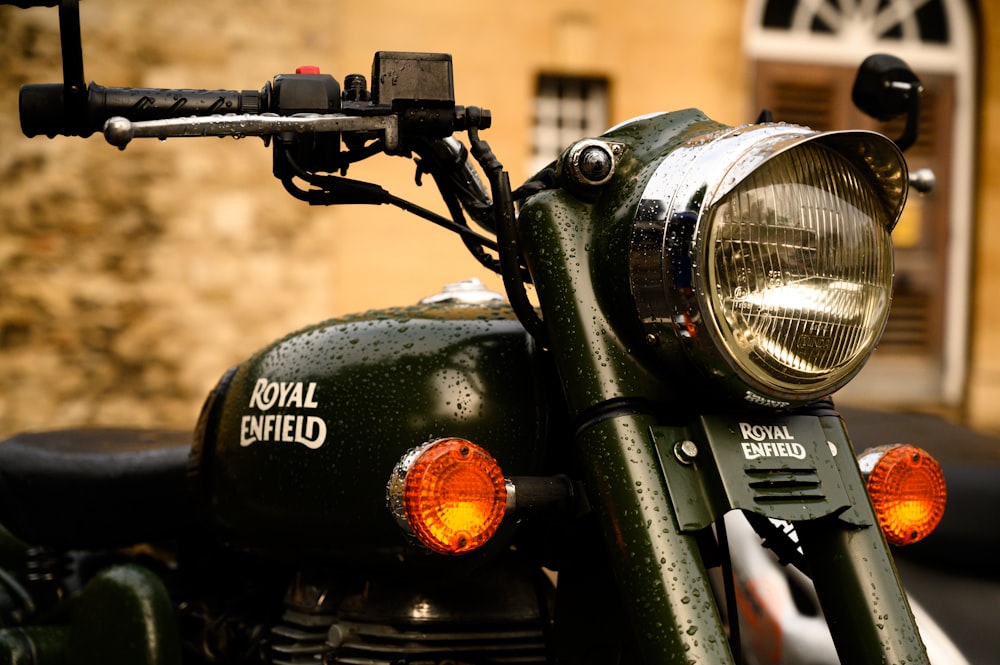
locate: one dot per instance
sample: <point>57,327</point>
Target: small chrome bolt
<point>686,451</point>
<point>595,164</point>
<point>590,162</point>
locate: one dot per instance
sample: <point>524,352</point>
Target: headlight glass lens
<point>798,265</point>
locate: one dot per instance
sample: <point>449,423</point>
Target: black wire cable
<point>450,165</point>
<point>510,255</point>
<point>333,190</point>
<point>455,199</point>
<point>473,244</point>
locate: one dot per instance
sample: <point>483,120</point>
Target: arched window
<point>804,55</point>
<point>912,20</point>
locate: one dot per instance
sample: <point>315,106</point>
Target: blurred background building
<point>130,282</point>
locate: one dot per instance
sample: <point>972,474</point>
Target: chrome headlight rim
<point>670,263</point>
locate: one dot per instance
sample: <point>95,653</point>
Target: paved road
<point>955,573</point>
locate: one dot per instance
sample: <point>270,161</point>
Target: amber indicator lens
<point>454,496</point>
<point>907,489</point>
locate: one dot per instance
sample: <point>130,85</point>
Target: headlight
<point>766,251</point>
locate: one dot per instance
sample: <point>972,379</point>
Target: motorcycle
<point>576,477</point>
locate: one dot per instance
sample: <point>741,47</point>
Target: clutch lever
<point>119,131</point>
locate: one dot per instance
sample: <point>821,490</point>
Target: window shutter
<point>800,94</point>
<point>808,104</point>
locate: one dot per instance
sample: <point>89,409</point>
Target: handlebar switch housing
<point>292,94</point>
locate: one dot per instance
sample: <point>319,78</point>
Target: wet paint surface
<point>312,426</point>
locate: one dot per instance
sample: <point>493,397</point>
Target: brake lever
<point>119,131</point>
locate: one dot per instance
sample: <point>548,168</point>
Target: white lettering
<point>315,434</point>
<point>310,431</point>
<point>295,399</point>
<point>284,389</point>
<point>769,441</point>
<point>267,394</point>
<point>256,394</point>
<point>270,396</point>
<point>311,402</point>
<point>753,450</point>
<point>761,432</point>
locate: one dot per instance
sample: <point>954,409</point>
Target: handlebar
<point>415,88</point>
<point>423,107</point>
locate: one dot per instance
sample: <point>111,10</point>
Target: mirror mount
<point>886,88</point>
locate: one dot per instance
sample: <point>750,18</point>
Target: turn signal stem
<point>541,496</point>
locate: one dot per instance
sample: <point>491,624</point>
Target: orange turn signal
<point>450,494</point>
<point>907,489</point>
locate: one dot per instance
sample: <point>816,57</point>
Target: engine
<point>495,615</point>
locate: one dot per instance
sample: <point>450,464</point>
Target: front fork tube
<point>859,589</point>
<point>664,587</point>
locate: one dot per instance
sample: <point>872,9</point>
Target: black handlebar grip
<point>24,4</point>
<point>44,109</point>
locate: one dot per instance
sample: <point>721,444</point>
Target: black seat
<point>81,488</point>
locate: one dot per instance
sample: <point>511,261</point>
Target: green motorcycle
<point>480,479</point>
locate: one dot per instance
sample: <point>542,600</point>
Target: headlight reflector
<point>766,251</point>
<point>798,271</point>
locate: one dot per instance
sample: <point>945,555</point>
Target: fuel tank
<point>295,445</point>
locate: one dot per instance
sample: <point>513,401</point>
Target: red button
<point>307,69</point>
